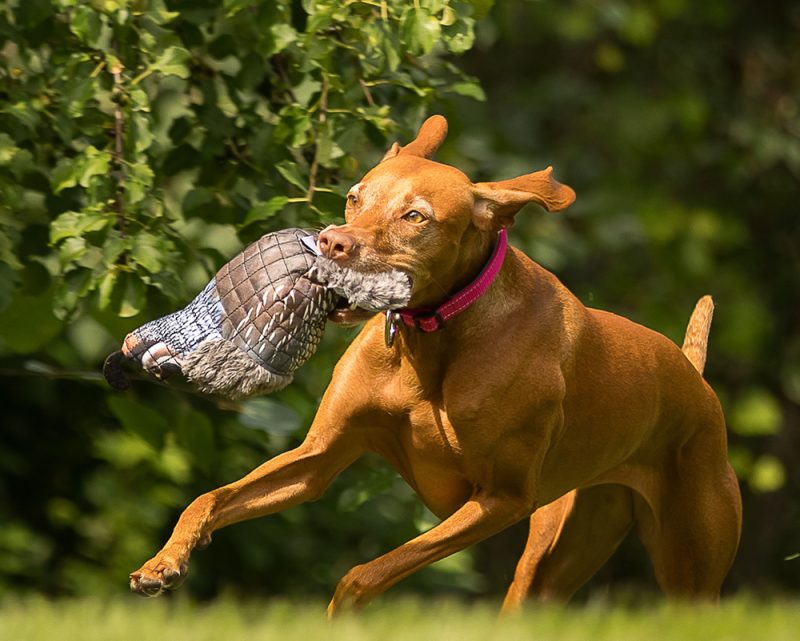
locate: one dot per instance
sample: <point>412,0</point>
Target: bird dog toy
<point>258,320</point>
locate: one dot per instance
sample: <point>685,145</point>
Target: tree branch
<point>323,117</point>
<point>119,148</point>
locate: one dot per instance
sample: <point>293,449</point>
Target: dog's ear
<point>392,152</point>
<point>497,202</point>
<point>429,137</point>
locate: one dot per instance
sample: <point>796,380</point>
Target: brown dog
<point>526,404</point>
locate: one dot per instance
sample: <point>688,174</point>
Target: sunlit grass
<point>87,620</point>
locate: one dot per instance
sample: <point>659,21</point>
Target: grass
<point>181,620</point>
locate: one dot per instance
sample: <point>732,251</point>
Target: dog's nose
<point>335,244</point>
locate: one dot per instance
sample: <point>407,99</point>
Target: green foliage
<point>134,120</point>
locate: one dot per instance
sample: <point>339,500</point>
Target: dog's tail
<point>695,343</point>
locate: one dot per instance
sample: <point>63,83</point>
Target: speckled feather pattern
<point>184,330</point>
<point>374,291</point>
<point>260,318</point>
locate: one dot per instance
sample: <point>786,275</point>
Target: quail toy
<point>258,320</point>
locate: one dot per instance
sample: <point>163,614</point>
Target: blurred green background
<point>144,142</point>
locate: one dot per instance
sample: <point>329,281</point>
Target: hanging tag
<point>390,329</point>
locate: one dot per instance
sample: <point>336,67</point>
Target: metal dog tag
<point>390,329</point>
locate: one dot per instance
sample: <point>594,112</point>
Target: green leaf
<point>293,127</point>
<point>139,99</point>
<point>328,150</point>
<point>7,149</point>
<point>305,89</point>
<point>460,36</point>
<point>139,183</point>
<point>172,62</point>
<point>63,175</point>
<point>391,50</point>
<point>134,296</point>
<point>71,250</point>
<point>77,94</point>
<point>141,132</point>
<point>283,36</point>
<point>266,210</point>
<point>232,7</point>
<point>81,169</point>
<point>379,118</point>
<point>199,201</point>
<point>113,247</point>
<point>291,174</point>
<point>91,27</point>
<point>449,17</point>
<point>23,113</point>
<point>73,223</point>
<point>150,251</point>
<point>73,286</point>
<point>420,31</point>
<point>469,89</point>
<point>106,289</point>
<point>109,6</point>
<point>7,254</point>
<point>158,13</point>
<point>95,162</point>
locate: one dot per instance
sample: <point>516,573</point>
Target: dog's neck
<point>472,255</point>
<point>430,352</point>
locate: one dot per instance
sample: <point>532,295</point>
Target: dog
<point>498,397</point>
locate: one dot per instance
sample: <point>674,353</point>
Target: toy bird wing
<point>272,309</point>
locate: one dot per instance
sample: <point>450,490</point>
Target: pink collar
<point>432,320</point>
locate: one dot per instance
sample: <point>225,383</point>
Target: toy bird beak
<point>113,372</point>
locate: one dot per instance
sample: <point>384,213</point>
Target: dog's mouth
<point>363,294</point>
<point>346,314</point>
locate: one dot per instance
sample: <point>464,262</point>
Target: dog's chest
<point>430,430</point>
<point>429,436</point>
<point>427,452</point>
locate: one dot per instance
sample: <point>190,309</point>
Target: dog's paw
<point>162,572</point>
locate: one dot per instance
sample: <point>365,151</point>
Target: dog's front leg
<point>294,477</point>
<point>479,518</point>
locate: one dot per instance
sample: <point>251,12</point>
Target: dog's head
<point>428,219</point>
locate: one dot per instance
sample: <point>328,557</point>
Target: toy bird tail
<point>695,343</point>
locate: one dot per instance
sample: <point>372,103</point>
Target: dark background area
<point>677,124</point>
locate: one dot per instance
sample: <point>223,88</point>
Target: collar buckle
<point>421,321</point>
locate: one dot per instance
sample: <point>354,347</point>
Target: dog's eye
<point>415,217</point>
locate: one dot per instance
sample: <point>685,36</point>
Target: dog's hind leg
<point>569,540</point>
<point>691,531</point>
